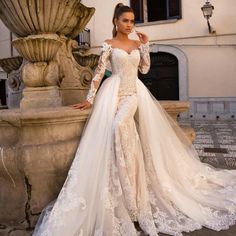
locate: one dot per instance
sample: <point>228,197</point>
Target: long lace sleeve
<point>144,64</point>
<point>99,72</point>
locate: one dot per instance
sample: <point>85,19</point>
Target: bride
<point>134,167</point>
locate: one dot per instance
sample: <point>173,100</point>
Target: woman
<point>134,164</point>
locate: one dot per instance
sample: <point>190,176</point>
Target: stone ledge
<point>175,107</point>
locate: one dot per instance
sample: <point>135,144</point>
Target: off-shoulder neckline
<point>110,46</point>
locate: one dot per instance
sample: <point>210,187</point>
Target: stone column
<point>40,26</point>
<point>41,73</point>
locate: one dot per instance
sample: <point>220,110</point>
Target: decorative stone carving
<point>81,16</point>
<point>74,78</point>
<point>39,16</point>
<point>38,164</point>
<point>90,60</point>
<point>38,48</point>
<point>14,82</point>
<point>11,63</point>
<point>12,66</point>
<point>40,74</point>
<point>41,71</point>
<point>47,22</point>
<point>36,149</point>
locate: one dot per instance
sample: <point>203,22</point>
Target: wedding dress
<point>134,164</point>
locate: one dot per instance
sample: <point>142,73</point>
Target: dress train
<point>138,166</point>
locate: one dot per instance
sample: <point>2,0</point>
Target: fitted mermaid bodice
<point>125,66</point>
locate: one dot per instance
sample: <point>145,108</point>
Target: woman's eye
<point>126,20</point>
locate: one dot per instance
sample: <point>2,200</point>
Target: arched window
<point>156,10</point>
<point>163,78</point>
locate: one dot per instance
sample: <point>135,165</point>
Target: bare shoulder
<point>109,41</point>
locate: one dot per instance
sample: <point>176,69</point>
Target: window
<point>3,101</point>
<point>156,10</point>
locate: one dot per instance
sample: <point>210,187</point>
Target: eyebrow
<point>128,19</point>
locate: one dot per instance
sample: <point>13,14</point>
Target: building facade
<point>203,63</point>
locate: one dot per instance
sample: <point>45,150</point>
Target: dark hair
<point>119,10</point>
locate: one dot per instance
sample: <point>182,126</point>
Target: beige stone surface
<point>39,97</point>
<point>51,16</point>
<point>174,108</point>
<point>90,60</point>
<point>63,71</point>
<point>74,78</point>
<point>11,63</point>
<point>38,48</point>
<point>40,74</point>
<point>37,147</point>
<point>14,84</point>
<point>43,27</point>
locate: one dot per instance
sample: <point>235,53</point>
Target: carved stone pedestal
<point>41,97</point>
<point>37,147</point>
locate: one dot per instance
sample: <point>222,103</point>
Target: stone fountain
<point>39,139</point>
<point>13,67</point>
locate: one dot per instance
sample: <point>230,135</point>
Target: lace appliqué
<point>145,63</point>
<point>99,72</point>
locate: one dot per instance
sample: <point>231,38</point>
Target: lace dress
<point>135,164</point>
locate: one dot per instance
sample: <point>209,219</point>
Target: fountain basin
<point>39,16</point>
<point>37,148</point>
<point>11,63</point>
<point>38,48</point>
<point>90,60</point>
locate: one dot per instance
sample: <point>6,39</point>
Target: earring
<point>116,27</point>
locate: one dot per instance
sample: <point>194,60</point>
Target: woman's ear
<point>115,21</point>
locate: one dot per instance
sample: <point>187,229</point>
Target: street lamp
<point>207,10</point>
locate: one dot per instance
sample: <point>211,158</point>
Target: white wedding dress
<point>134,164</point>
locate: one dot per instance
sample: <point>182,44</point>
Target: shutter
<point>174,7</point>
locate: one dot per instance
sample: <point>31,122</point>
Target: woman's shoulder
<point>109,41</point>
<point>107,45</point>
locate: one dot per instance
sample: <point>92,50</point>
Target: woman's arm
<point>99,73</point>
<point>144,64</point>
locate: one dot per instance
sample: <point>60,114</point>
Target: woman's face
<point>125,23</point>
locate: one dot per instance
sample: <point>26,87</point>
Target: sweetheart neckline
<point>128,53</point>
<point>121,49</point>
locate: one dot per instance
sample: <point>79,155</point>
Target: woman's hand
<point>142,37</point>
<point>82,105</point>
